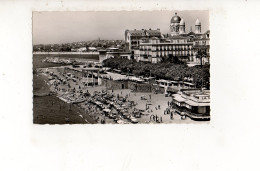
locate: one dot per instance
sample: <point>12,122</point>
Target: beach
<point>47,108</point>
<point>61,97</point>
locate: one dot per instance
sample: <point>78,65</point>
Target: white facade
<point>179,43</point>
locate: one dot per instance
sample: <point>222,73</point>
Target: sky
<point>66,27</point>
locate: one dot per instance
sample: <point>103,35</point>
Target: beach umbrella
<point>134,120</point>
<point>120,122</point>
<point>106,110</point>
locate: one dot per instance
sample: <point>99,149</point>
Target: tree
<point>201,52</point>
<point>171,71</point>
<point>176,60</point>
<point>171,59</point>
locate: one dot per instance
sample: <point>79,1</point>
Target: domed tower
<point>182,27</point>
<point>197,27</point>
<point>175,24</point>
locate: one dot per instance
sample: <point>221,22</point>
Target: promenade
<point>111,106</point>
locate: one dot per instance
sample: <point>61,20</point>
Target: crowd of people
<point>102,106</point>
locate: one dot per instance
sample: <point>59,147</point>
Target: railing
<point>184,111</point>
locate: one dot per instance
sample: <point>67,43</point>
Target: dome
<point>182,22</point>
<point>197,22</point>
<point>176,19</point>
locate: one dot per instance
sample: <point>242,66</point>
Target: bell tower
<point>197,27</point>
<point>182,27</point>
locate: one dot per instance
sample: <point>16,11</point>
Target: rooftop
<point>145,32</point>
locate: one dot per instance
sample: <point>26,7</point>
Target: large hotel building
<point>152,46</point>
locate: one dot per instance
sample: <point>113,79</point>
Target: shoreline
<point>64,113</point>
<point>56,111</point>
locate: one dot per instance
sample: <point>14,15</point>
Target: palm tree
<point>201,52</point>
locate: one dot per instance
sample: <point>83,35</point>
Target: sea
<point>47,108</point>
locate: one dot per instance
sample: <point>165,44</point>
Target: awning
<point>192,103</point>
<point>178,98</point>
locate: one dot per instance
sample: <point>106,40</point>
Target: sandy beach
<point>155,108</point>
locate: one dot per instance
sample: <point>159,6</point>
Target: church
<point>153,46</point>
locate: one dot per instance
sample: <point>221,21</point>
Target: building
<point>178,43</point>
<point>193,103</point>
<point>155,49</point>
<point>133,37</point>
<point>87,75</point>
<point>113,53</point>
<point>202,43</point>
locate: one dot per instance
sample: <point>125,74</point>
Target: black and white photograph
<point>146,67</point>
<point>129,85</point>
